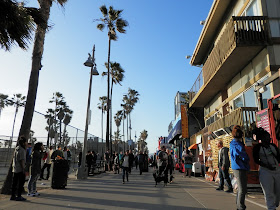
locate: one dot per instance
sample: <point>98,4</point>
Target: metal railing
<point>238,32</point>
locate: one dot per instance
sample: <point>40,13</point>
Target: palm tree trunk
<point>64,132</point>
<point>130,126</point>
<point>102,131</point>
<point>108,96</point>
<point>33,84</point>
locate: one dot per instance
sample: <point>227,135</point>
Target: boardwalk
<point>106,191</point>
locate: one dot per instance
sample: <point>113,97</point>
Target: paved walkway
<point>106,191</point>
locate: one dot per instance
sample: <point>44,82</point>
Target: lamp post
<point>82,171</point>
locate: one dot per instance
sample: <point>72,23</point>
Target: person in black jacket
<point>267,155</point>
<point>89,161</point>
<point>170,165</point>
<point>141,160</point>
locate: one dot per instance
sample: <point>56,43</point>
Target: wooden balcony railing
<point>243,116</point>
<point>239,31</point>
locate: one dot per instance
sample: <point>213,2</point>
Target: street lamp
<point>82,171</point>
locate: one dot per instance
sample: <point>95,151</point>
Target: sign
<point>184,121</point>
<point>199,139</point>
<point>263,120</point>
<point>129,142</point>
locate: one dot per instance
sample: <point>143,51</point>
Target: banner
<point>184,121</point>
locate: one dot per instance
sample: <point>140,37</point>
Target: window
<point>253,9</point>
<point>250,98</point>
<point>238,102</point>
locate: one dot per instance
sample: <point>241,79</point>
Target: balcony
<point>243,116</point>
<point>242,39</point>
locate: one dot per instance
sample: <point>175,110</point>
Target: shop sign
<point>199,139</point>
<point>263,120</point>
<point>184,121</point>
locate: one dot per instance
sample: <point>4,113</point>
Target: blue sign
<point>129,142</point>
<point>175,131</point>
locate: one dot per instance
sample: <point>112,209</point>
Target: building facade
<point>238,49</point>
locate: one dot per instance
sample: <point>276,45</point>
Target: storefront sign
<point>263,120</point>
<point>184,121</point>
<point>199,139</point>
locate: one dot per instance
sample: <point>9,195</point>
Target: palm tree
<point>51,128</point>
<point>117,75</point>
<point>3,102</point>
<point>113,21</point>
<point>18,100</point>
<point>103,107</point>
<point>130,100</point>
<point>68,113</point>
<point>142,140</point>
<point>17,23</point>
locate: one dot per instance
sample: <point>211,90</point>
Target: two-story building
<point>238,48</point>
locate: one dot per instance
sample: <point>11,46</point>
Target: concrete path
<point>106,191</point>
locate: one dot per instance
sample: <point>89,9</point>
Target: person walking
<point>89,161</point>
<point>67,156</point>
<point>136,161</point>
<point>131,159</point>
<point>141,160</point>
<point>239,165</point>
<point>170,165</point>
<point>116,164</point>
<point>267,155</point>
<point>47,163</point>
<point>162,164</point>
<point>18,166</point>
<point>107,160</point>
<point>57,154</point>
<point>125,166</point>
<point>223,163</point>
<point>188,161</point>
<point>35,169</point>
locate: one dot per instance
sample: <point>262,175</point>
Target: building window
<point>250,98</point>
<point>253,9</point>
<point>238,102</point>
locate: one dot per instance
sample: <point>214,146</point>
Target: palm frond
<point>121,24</point>
<point>104,10</point>
<point>100,26</point>
<point>61,2</point>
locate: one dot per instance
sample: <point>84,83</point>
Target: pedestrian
<point>107,160</point>
<point>188,161</point>
<point>116,164</point>
<point>131,159</point>
<point>18,166</point>
<point>89,161</point>
<point>162,164</point>
<point>136,161</point>
<point>28,160</point>
<point>239,165</point>
<point>35,169</point>
<point>170,165</point>
<point>67,156</point>
<point>47,163</point>
<point>57,154</point>
<point>141,159</point>
<point>125,166</point>
<point>155,161</point>
<point>224,164</point>
<point>267,155</point>
<point>80,159</point>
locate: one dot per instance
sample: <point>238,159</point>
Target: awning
<point>175,132</point>
<point>193,146</point>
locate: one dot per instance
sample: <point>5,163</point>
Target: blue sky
<point>152,53</point>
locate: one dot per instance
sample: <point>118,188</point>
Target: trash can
<point>196,168</point>
<point>59,174</point>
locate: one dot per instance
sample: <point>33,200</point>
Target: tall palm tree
<point>142,140</point>
<point>18,100</point>
<point>130,100</point>
<point>17,23</point>
<point>68,113</point>
<point>113,21</point>
<point>38,48</point>
<point>51,127</point>
<point>3,102</point>
<point>60,105</point>
<point>117,75</point>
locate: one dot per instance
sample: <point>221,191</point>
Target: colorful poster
<point>184,121</point>
<point>263,120</point>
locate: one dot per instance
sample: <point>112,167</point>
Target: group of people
<point>265,154</point>
<point>27,160</point>
<point>125,162</point>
